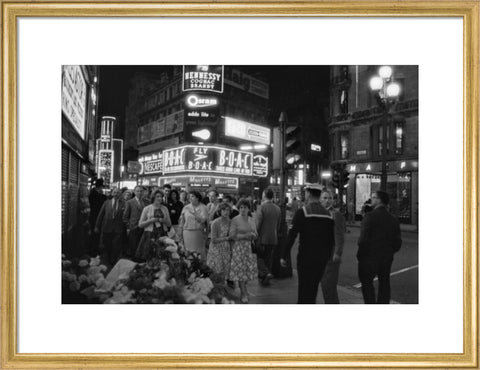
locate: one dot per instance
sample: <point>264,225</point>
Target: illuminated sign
<point>104,166</point>
<point>201,102</point>
<point>315,147</point>
<point>203,77</point>
<point>74,97</point>
<point>151,163</point>
<point>194,158</point>
<point>203,181</point>
<point>202,134</point>
<point>247,131</point>
<point>260,166</point>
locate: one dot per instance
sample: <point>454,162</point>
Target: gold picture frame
<point>467,10</point>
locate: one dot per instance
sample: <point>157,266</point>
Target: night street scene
<point>222,184</point>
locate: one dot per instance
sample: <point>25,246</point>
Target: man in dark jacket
<point>379,239</point>
<point>96,198</point>
<point>268,217</point>
<point>110,226</point>
<point>316,228</point>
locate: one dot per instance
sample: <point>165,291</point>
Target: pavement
<point>403,227</point>
<point>284,291</point>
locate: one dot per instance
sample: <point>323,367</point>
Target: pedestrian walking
<point>243,267</point>
<point>131,216</point>
<point>219,253</point>
<point>316,228</point>
<point>110,226</point>
<point>193,223</point>
<point>268,217</point>
<point>175,207</point>
<point>228,199</point>
<point>379,240</point>
<point>155,221</point>
<point>330,276</point>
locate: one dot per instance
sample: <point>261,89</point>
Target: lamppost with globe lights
<point>387,92</point>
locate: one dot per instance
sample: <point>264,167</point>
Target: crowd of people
<point>222,231</point>
<point>237,237</point>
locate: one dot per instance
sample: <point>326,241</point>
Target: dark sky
<point>299,90</point>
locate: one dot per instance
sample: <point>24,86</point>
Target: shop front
<point>402,187</point>
<point>200,167</point>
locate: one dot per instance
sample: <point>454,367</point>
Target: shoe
<point>266,280</point>
<point>244,299</point>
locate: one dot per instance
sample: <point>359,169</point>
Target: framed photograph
<point>242,184</point>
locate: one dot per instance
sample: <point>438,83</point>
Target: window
<point>344,145</point>
<point>343,101</point>
<point>399,137</point>
<point>383,148</point>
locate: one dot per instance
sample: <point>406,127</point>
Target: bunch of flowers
<point>80,274</point>
<point>171,275</point>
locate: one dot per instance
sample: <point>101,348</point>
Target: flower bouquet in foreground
<point>171,275</point>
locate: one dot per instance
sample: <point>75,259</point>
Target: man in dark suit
<point>110,226</point>
<point>131,216</point>
<point>330,277</point>
<point>96,198</point>
<point>316,228</point>
<point>268,226</point>
<point>379,239</point>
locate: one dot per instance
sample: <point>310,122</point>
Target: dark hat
<point>99,182</point>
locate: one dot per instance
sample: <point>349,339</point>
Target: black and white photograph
<point>239,184</point>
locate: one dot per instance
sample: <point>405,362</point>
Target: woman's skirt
<point>194,241</point>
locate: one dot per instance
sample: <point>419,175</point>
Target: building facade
<point>358,141</point>
<point>177,113</point>
<point>79,110</point>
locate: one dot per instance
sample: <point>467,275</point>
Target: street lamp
<point>387,92</point>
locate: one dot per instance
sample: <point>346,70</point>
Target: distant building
<point>161,115</point>
<point>356,138</point>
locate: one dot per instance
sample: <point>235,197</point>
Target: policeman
<point>316,228</point>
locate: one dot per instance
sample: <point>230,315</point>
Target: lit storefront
<point>201,167</point>
<point>402,187</point>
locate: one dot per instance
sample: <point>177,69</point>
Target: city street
<point>403,280</point>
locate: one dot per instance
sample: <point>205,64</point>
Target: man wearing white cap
<point>316,228</point>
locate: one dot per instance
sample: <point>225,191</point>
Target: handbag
<point>257,248</point>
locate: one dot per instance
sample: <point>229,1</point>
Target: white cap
<point>314,186</point>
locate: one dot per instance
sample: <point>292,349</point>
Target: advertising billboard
<point>247,131</point>
<point>169,125</point>
<point>74,97</point>
<point>201,108</point>
<point>260,165</point>
<point>203,78</point>
<point>196,158</point>
<point>245,82</point>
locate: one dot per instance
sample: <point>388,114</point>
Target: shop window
<point>343,101</point>
<point>399,190</point>
<point>344,142</point>
<point>399,137</point>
